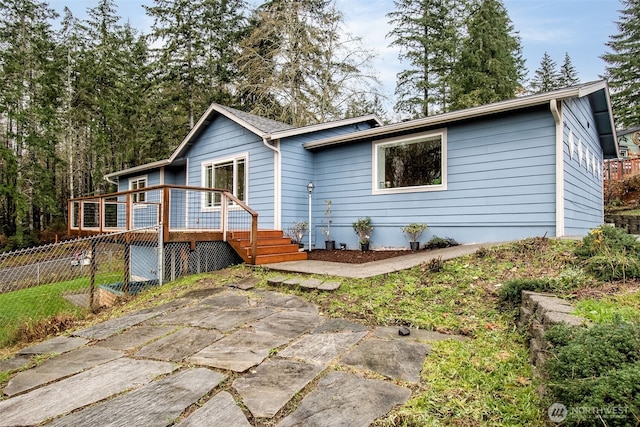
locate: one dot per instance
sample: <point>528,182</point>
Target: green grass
<point>625,307</point>
<point>41,302</point>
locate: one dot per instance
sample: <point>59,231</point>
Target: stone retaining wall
<point>538,313</point>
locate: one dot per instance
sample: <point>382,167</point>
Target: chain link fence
<point>74,276</point>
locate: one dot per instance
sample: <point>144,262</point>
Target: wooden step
<point>272,246</point>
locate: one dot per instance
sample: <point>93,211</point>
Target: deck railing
<point>616,169</point>
<point>180,209</point>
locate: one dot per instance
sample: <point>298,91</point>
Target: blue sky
<point>579,27</point>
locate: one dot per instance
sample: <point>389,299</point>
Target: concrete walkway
<point>217,357</point>
<point>376,268</point>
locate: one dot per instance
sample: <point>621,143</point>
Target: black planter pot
<point>415,246</point>
<point>329,245</point>
<point>364,247</point>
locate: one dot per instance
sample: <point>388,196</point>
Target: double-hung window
<point>411,163</point>
<point>227,174</point>
<point>136,184</point>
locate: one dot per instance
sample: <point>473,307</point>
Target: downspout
<point>556,111</point>
<point>277,169</point>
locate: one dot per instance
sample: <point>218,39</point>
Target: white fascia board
<point>327,125</point>
<point>136,169</point>
<point>469,113</point>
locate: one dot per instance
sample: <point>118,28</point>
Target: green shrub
<point>595,373</point>
<point>440,242</point>
<point>610,253</point>
<point>606,240</point>
<point>510,293</point>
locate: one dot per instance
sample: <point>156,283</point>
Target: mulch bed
<point>353,257</point>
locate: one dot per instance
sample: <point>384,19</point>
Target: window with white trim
<point>228,174</point>
<point>413,163</point>
<point>136,184</point>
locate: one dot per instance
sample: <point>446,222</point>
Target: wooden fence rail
<point>619,169</point>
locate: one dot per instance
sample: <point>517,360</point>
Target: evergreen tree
<point>428,34</point>
<point>568,73</point>
<point>29,97</point>
<point>622,71</point>
<point>297,66</point>
<point>194,64</point>
<point>546,78</point>
<point>490,66</point>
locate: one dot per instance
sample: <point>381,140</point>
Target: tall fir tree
<point>622,71</point>
<point>546,78</point>
<point>490,66</point>
<point>193,65</point>
<point>29,97</point>
<point>568,73</point>
<point>428,35</point>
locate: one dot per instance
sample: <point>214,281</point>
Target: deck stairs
<point>273,247</point>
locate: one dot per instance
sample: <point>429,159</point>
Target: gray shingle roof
<point>265,125</point>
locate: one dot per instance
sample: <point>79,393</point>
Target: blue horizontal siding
<point>583,186</point>
<point>501,185</point>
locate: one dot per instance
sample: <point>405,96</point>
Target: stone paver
<point>238,352</point>
<point>184,315</point>
<point>346,400</point>
<point>310,284</point>
<point>135,337</point>
<point>396,359</point>
<point>329,286</point>
<point>59,367</point>
<point>54,345</point>
<point>111,327</point>
<point>276,280</point>
<point>290,324</point>
<point>179,345</point>
<point>273,384</point>
<point>321,348</point>
<point>79,390</point>
<point>245,284</point>
<point>226,321</point>
<point>154,404</point>
<point>221,410</point>
<point>339,325</point>
<point>284,302</point>
<point>295,281</point>
<point>14,363</point>
<point>227,300</point>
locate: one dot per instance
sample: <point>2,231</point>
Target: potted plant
<point>328,243</point>
<point>413,232</point>
<point>297,232</point>
<point>363,229</point>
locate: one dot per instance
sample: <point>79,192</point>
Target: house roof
<point>598,93</point>
<point>265,128</point>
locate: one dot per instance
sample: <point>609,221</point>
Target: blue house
<point>529,166</point>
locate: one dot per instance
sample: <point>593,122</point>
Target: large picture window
<point>136,184</point>
<point>414,163</point>
<point>227,174</point>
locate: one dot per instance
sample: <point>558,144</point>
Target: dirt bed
<point>354,257</point>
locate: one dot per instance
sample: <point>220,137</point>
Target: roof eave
<point>326,125</point>
<point>483,110</point>
<point>137,169</point>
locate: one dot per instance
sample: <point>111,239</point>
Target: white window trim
<point>137,205</point>
<point>442,133</point>
<point>212,162</point>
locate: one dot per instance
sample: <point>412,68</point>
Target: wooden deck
<point>185,214</point>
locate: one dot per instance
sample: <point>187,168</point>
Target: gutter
<point>556,111</point>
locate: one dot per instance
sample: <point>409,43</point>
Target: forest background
<point>83,97</point>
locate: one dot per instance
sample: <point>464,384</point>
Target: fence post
<point>160,254</point>
<point>92,283</point>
